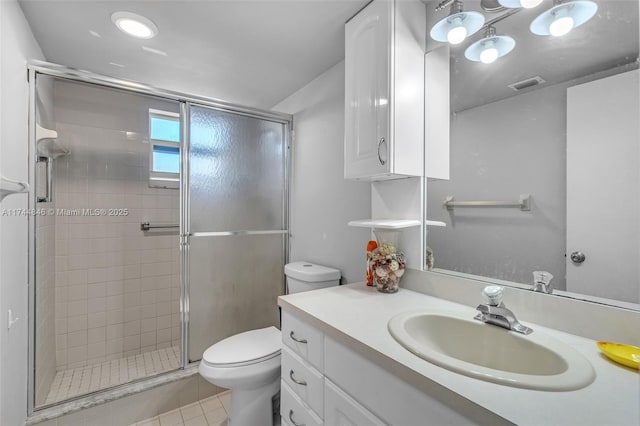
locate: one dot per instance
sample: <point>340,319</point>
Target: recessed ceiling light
<point>134,25</point>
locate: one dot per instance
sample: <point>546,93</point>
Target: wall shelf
<point>435,223</point>
<point>393,224</point>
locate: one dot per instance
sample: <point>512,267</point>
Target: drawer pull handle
<point>293,421</point>
<point>299,382</point>
<point>380,142</point>
<point>296,339</point>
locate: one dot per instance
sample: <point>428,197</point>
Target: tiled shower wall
<point>117,288</point>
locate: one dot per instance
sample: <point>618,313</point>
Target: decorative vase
<point>387,266</point>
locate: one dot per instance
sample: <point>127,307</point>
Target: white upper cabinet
<point>384,91</point>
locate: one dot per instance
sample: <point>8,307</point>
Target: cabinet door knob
<point>380,142</point>
<point>293,421</point>
<point>296,339</point>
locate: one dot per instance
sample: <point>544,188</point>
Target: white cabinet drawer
<point>341,409</point>
<point>294,411</point>
<point>304,380</point>
<point>304,339</point>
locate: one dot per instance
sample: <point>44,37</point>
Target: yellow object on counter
<point>623,354</point>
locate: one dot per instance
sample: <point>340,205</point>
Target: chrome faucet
<point>494,312</point>
<point>542,282</point>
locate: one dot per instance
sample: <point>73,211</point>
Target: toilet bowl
<point>249,363</point>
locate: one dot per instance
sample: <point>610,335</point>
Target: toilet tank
<point>305,276</point>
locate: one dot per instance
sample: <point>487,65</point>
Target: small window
<point>166,159</point>
<point>165,128</point>
<point>164,146</point>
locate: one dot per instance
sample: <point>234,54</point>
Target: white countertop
<point>361,313</point>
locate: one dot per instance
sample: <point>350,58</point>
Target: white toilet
<point>249,363</point>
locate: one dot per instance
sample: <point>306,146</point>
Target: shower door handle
<point>48,164</point>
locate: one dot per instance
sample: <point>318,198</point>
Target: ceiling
<point>258,52</point>
<point>249,52</point>
<point>610,39</point>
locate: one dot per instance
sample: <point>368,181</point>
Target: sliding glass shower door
<point>159,228</point>
<point>236,227</point>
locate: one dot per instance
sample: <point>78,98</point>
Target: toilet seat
<point>248,348</point>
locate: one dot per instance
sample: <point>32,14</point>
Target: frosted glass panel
<point>236,171</point>
<point>237,182</point>
<point>234,284</point>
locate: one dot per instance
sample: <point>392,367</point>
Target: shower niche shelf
<point>48,145</point>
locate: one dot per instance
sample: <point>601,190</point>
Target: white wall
<point>322,202</point>
<point>17,46</point>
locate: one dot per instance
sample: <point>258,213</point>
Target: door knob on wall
<point>578,257</point>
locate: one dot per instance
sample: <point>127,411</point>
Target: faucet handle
<point>542,277</point>
<point>542,281</point>
<point>492,294</point>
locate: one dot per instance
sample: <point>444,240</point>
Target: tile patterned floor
<point>212,411</point>
<point>78,381</point>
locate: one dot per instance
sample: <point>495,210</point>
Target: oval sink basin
<point>492,353</point>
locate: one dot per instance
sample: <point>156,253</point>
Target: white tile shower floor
<point>212,411</point>
<point>81,380</point>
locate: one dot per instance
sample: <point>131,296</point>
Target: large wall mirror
<point>557,119</point>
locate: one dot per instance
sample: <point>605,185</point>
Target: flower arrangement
<point>371,246</point>
<point>387,266</point>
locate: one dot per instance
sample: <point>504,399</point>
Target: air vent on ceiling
<point>525,84</point>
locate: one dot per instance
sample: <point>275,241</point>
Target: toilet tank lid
<point>310,272</point>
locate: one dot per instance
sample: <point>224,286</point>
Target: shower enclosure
<point>158,227</point>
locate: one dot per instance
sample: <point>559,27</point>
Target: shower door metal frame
<point>37,67</point>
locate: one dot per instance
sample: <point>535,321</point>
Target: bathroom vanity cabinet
<point>384,91</point>
<point>358,374</point>
<point>323,381</point>
<point>307,395</point>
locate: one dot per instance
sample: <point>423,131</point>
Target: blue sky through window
<point>166,159</point>
<point>165,129</point>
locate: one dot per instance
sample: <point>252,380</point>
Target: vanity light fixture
<point>458,25</point>
<point>490,48</point>
<point>563,17</point>
<point>513,4</point>
<point>134,25</point>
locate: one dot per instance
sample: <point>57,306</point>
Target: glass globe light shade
<point>489,55</point>
<point>457,34</point>
<point>561,26</point>
<point>528,4</point>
